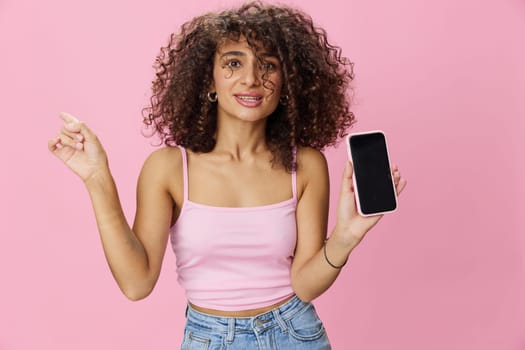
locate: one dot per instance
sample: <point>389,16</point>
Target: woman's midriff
<point>241,313</point>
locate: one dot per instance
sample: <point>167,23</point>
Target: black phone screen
<point>372,173</point>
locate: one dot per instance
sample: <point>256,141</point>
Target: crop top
<point>234,259</point>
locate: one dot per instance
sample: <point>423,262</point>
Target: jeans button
<point>258,323</point>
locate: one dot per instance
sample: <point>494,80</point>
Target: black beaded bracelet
<point>328,261</point>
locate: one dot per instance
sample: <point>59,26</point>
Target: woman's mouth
<point>249,100</point>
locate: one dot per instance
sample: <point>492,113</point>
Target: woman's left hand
<point>352,227</point>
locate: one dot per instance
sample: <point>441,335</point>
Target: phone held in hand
<point>373,183</point>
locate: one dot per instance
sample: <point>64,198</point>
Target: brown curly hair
<point>315,110</point>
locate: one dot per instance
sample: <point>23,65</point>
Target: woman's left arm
<point>314,268</point>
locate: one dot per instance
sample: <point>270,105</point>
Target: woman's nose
<point>252,75</point>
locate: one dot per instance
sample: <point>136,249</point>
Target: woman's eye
<point>269,66</point>
<point>233,64</point>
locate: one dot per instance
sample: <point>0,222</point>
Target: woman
<point>244,100</point>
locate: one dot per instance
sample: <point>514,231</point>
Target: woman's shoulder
<point>164,161</point>
<point>163,170</point>
<point>311,168</point>
<point>310,158</point>
<point>166,152</point>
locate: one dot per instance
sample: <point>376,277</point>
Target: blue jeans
<point>293,325</point>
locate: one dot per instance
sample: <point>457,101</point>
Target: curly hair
<point>315,110</point>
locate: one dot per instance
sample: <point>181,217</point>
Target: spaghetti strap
<point>294,173</point>
<point>184,171</point>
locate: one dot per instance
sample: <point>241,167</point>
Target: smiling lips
<point>249,100</point>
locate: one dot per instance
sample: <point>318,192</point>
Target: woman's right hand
<point>79,148</point>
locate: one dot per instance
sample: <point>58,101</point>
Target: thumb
<point>346,183</point>
<point>88,134</point>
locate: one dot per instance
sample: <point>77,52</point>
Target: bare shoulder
<point>311,168</point>
<point>310,160</point>
<point>163,161</point>
<point>162,166</point>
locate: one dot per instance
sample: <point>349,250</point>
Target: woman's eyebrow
<point>233,53</point>
<point>240,54</point>
<point>269,55</point>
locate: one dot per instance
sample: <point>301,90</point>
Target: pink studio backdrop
<point>444,79</point>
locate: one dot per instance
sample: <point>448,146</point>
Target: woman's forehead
<point>242,46</point>
<point>230,44</point>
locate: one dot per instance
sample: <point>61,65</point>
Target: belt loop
<point>280,320</point>
<point>231,329</point>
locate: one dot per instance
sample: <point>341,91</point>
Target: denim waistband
<point>258,323</point>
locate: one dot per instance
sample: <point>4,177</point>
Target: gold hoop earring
<point>212,97</point>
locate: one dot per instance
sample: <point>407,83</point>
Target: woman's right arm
<point>134,255</point>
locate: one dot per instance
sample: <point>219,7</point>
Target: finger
<point>396,175</point>
<point>401,186</point>
<point>68,141</point>
<point>53,144</point>
<point>72,130</point>
<point>72,124</point>
<point>68,118</point>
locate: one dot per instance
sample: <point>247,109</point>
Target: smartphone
<point>372,179</point>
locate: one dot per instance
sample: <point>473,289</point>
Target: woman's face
<point>238,80</point>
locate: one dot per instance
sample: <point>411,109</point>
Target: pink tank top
<point>235,259</point>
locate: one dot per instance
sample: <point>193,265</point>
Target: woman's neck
<point>241,139</point>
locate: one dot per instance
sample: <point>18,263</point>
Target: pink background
<point>445,79</point>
